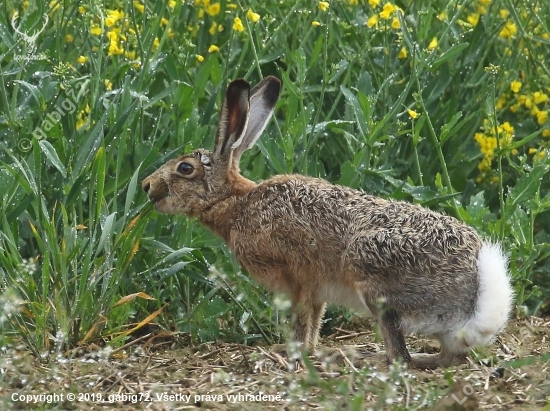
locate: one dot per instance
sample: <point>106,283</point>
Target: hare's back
<point>298,212</point>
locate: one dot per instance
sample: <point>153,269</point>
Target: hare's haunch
<point>414,269</point>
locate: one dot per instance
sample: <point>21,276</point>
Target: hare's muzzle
<point>156,191</point>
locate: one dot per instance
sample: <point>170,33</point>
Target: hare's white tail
<point>495,298</point>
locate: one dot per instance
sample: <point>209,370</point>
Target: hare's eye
<point>185,168</point>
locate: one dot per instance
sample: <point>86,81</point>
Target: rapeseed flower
<point>473,19</point>
<point>238,24</point>
<point>515,86</point>
<point>508,31</point>
<point>253,17</point>
<point>372,21</point>
<point>387,10</point>
<point>112,17</point>
<point>412,114</point>
<point>395,23</point>
<point>213,9</point>
<point>324,5</point>
<point>402,54</point>
<point>96,30</point>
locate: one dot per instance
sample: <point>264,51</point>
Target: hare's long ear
<point>263,98</point>
<point>233,118</point>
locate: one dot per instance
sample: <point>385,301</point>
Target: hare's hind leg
<point>302,325</point>
<point>394,341</point>
<point>307,315</point>
<point>316,318</point>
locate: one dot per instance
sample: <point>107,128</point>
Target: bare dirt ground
<point>156,375</point>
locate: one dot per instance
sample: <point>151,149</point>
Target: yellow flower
<point>542,116</point>
<point>213,48</point>
<point>96,31</point>
<point>473,19</point>
<point>532,150</point>
<point>156,44</point>
<point>112,17</point>
<point>442,16</point>
<point>353,2</point>
<point>501,102</point>
<point>509,30</point>
<point>412,114</point>
<point>69,38</point>
<point>507,128</point>
<point>213,28</point>
<point>372,21</point>
<point>172,4</point>
<point>433,44</point>
<point>504,13</point>
<point>108,84</point>
<point>231,6</point>
<point>395,23</point>
<point>514,108</point>
<point>213,9</point>
<point>238,24</point>
<point>163,22</point>
<point>199,57</point>
<point>546,133</point>
<point>55,4</point>
<point>324,5</point>
<point>515,86</point>
<point>140,7</point>
<point>82,59</point>
<point>374,3</point>
<point>315,23</point>
<point>82,9</point>
<point>539,97</point>
<point>112,35</point>
<point>253,17</point>
<point>402,53</point>
<point>114,49</point>
<point>130,55</point>
<point>387,10</point>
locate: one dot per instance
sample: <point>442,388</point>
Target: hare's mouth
<point>159,200</point>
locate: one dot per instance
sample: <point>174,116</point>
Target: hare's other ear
<point>233,118</point>
<point>263,98</point>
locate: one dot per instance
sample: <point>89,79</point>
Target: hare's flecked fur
<point>416,270</point>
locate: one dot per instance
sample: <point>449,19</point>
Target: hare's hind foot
<point>423,361</point>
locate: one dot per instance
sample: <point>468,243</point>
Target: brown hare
<point>414,269</point>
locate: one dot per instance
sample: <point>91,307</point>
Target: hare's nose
<point>146,185</point>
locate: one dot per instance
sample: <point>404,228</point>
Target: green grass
<point>76,234</point>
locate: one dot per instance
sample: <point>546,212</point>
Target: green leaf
<point>52,157</point>
<point>105,233</point>
<point>525,189</point>
<point>452,52</point>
